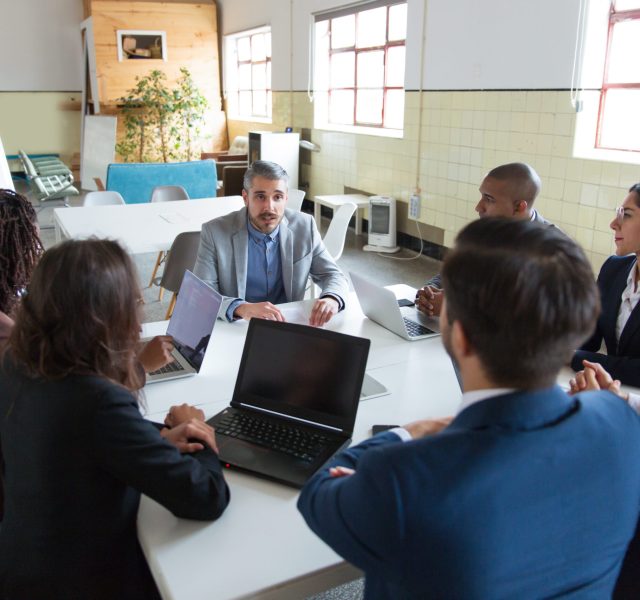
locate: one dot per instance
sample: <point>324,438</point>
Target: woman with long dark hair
<point>20,249</point>
<point>77,453</point>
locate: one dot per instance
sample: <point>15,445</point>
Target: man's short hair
<point>524,182</point>
<point>524,295</point>
<point>264,168</point>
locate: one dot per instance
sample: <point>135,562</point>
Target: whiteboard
<point>98,149</point>
<point>40,45</point>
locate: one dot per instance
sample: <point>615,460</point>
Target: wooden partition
<point>191,35</point>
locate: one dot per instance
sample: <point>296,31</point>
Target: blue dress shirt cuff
<point>237,302</point>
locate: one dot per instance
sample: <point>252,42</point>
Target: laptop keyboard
<point>275,436</point>
<point>172,367</point>
<point>415,329</point>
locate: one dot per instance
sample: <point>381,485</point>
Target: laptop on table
<point>191,325</point>
<point>381,306</point>
<point>295,400</point>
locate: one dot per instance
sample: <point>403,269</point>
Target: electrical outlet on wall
<point>414,206</point>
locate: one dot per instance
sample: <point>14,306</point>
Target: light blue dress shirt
<point>264,270</point>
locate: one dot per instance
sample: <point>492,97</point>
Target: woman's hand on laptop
<point>183,435</point>
<point>156,353</point>
<point>182,414</point>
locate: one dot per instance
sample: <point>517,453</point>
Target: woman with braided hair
<point>20,249</point>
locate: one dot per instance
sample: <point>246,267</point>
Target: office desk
<point>261,547</point>
<point>336,201</point>
<point>141,228</point>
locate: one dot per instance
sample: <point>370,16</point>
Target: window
<point>618,115</point>
<point>359,67</point>
<point>248,74</point>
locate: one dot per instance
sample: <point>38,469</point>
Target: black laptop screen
<point>302,372</point>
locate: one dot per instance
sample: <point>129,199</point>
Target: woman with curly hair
<point>20,249</point>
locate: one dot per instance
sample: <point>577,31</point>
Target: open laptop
<point>295,400</point>
<point>191,326</point>
<point>381,306</point>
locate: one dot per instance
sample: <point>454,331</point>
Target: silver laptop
<point>191,326</point>
<point>381,306</point>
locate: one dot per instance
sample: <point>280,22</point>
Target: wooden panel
<point>192,42</point>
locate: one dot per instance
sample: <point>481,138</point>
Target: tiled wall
<point>465,134</point>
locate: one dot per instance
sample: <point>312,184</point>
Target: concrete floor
<point>385,269</point>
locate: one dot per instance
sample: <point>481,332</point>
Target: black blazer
<point>77,455</point>
<point>623,358</point>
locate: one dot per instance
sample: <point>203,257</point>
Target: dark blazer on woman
<point>623,357</point>
<point>77,455</point>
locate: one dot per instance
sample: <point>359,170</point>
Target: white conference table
<point>147,227</point>
<point>261,547</point>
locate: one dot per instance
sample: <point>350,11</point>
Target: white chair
<point>168,193</point>
<point>165,193</point>
<point>102,199</point>
<point>336,235</point>
<point>337,231</point>
<point>295,200</point>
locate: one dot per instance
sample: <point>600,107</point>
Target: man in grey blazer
<point>263,254</point>
<point>506,191</point>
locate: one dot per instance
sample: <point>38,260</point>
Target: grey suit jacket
<point>224,247</point>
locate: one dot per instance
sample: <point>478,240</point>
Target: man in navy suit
<point>528,492</point>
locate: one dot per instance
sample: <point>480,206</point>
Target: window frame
<point>615,17</point>
<point>359,125</point>
<point>231,48</point>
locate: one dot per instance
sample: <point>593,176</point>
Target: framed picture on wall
<point>141,44</point>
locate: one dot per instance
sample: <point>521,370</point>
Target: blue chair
<point>136,181</point>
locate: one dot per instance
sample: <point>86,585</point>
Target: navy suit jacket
<point>623,357</point>
<point>526,495</point>
<point>77,455</point>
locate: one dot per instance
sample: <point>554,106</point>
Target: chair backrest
<point>295,199</point>
<point>182,256</point>
<point>232,180</point>
<point>337,232</point>
<point>168,193</point>
<point>135,181</point>
<point>102,199</point>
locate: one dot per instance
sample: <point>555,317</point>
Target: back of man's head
<point>524,182</point>
<point>265,169</point>
<point>524,296</point>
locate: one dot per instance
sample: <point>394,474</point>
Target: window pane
<point>343,32</point>
<point>372,27</point>
<point>258,51</point>
<point>259,72</point>
<point>260,104</point>
<point>624,66</point>
<point>394,109</point>
<point>621,120</point>
<point>343,69</point>
<point>395,66</point>
<point>244,103</point>
<point>244,48</point>
<point>341,107</point>
<point>244,77</point>
<point>369,107</point>
<point>268,82</point>
<point>627,4</point>
<point>398,22</point>
<point>371,69</point>
<point>267,44</point>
